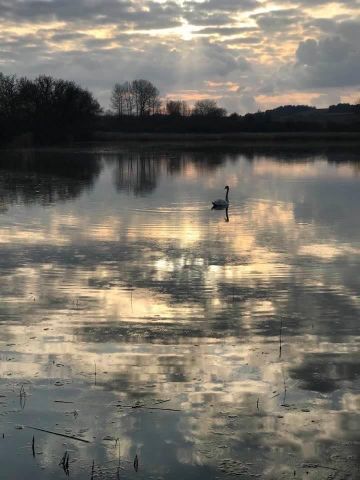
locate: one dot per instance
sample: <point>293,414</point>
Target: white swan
<point>220,203</point>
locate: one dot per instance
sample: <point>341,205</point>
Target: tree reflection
<point>46,177</point>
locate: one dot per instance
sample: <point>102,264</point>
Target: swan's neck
<point>227,195</point>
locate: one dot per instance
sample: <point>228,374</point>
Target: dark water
<point>235,337</point>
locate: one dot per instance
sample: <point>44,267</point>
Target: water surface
<point>211,344</point>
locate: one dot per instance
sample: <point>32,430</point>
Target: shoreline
<point>242,138</point>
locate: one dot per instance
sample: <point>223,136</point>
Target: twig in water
<point>64,462</point>
<point>285,388</point>
<point>316,465</point>
<point>22,396</point>
<point>257,403</point>
<point>159,402</point>
<point>33,446</point>
<point>92,470</point>
<point>136,463</point>
<point>118,467</point>
<point>95,371</point>
<point>150,408</point>
<point>72,437</point>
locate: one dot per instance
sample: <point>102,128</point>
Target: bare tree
<point>146,97</point>
<point>8,93</point>
<point>208,107</point>
<point>185,109</point>
<point>139,97</point>
<point>173,107</point>
<point>117,100</point>
<point>156,106</point>
<point>177,108</point>
<point>129,98</point>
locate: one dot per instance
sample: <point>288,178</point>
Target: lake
<point>166,340</point>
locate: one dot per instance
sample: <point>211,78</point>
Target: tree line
<point>141,98</point>
<point>47,110</point>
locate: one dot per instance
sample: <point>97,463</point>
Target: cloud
<point>285,52</point>
<point>243,103</point>
<point>149,14</point>
<point>217,12</point>
<point>326,99</point>
<point>346,29</point>
<point>329,62</point>
<point>251,40</point>
<point>223,5</point>
<point>226,31</point>
<point>278,20</point>
<point>326,65</point>
<point>186,66</point>
<point>313,3</point>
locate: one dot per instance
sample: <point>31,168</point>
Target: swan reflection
<point>226,208</point>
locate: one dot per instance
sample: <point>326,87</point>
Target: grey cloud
<point>252,40</point>
<point>211,60</point>
<point>91,43</point>
<point>326,99</point>
<point>18,41</point>
<point>327,25</point>
<point>349,4</point>
<point>205,18</point>
<point>15,48</point>
<point>226,31</point>
<point>307,52</point>
<point>64,36</point>
<point>98,12</point>
<point>329,50</point>
<point>185,67</point>
<point>325,63</point>
<point>312,3</point>
<point>278,20</point>
<point>244,103</point>
<point>328,58</point>
<point>348,29</point>
<point>224,5</point>
<point>216,12</point>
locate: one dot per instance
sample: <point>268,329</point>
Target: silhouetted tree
<point>177,108</point>
<point>208,108</point>
<point>117,99</point>
<point>357,106</point>
<point>122,99</point>
<point>146,97</point>
<point>49,109</point>
<point>139,97</point>
<point>291,109</point>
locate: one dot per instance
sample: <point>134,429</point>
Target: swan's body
<point>220,203</point>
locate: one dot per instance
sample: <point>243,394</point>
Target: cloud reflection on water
<point>131,270</point>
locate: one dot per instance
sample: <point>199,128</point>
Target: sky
<point>246,54</point>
